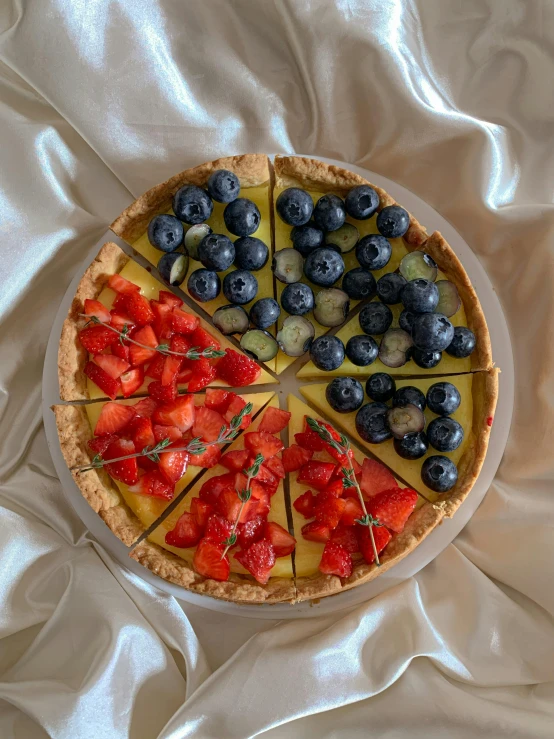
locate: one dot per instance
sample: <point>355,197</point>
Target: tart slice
<point>205,517</point>
<point>97,362</point>
<point>129,497</point>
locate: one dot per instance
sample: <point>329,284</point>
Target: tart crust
<point>251,169</point>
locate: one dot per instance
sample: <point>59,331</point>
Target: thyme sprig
<point>244,496</point>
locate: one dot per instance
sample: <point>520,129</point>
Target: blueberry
<point>223,186</point>
<point>297,299</point>
<point>165,232</point>
<point>216,252</point>
<point>372,424</point>
<point>375,318</point>
<point>250,253</point>
<point>395,348</point>
<point>406,321</point>
<point>231,319</point>
<point>380,387</point>
<point>412,446</point>
<point>204,285</point>
<point>327,353</point>
<point>393,221</point>
<point>373,251</point>
<point>426,360</point>
<point>294,206</point>
<point>173,267</point>
<point>295,336</point>
<point>405,419</point>
<point>361,202</point>
<point>324,266</point>
<point>359,283</point>
<point>331,307</point>
<point>445,434</point>
<point>420,296</point>
<point>242,217</point>
<point>344,394</point>
<point>240,286</point>
<point>443,398</point>
<point>389,288</point>
<point>192,205</point>
<point>409,394</point>
<point>462,343</point>
<point>265,312</point>
<point>439,473</point>
<point>362,350</point>
<point>432,332</point>
<point>287,265</point>
<point>329,212</point>
<point>307,238</point>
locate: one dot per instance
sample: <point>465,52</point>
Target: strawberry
<point>162,320</point>
<point>259,493</point>
<point>102,380</point>
<point>275,466</point>
<point>343,459</point>
<point>218,399</point>
<point>203,373</point>
<point>186,532</point>
<point>274,420</point>
<point>217,529</point>
<point>234,407</point>
<point>113,418</point>
<point>260,442</point>
<point>183,377</point>
<point>153,485</point>
<point>167,432</point>
<point>249,532</point>
<point>172,365</point>
<point>356,466</point>
<point>162,393</point>
<point>305,504</point>
<point>173,465</point>
<point>126,470</point>
<point>266,478</point>
<point>335,560</point>
<point>131,381</point>
<point>119,320</point>
<point>258,559</point>
<point>208,424</point>
<point>112,366</point>
<point>140,355</point>
<point>155,367</point>
<point>180,344</point>
<point>96,309</point>
<point>282,542</point>
<point>229,504</point>
<point>201,510</point>
<point>393,507</point>
<point>375,477</point>
<point>310,440</point>
<point>352,511</point>
<point>335,488</point>
<point>141,432</point>
<point>169,299</point>
<point>96,338</point>
<point>100,443</point>
<point>207,459</point>
<point>294,457</point>
<point>235,460</point>
<point>329,511</point>
<point>121,285</point>
<point>213,487</point>
<point>316,531</point>
<point>237,370</point>
<point>145,407</point>
<point>180,412</point>
<point>201,338</point>
<point>316,474</point>
<point>120,303</point>
<point>138,307</point>
<point>346,537</point>
<point>208,560</point>
<point>381,535</point>
<point>184,323</point>
<point>120,350</point>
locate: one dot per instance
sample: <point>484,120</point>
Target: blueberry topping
<point>409,394</point>
<point>404,420</point>
<point>216,252</point>
<point>396,347</point>
<point>372,424</point>
<point>259,345</point>
<point>288,265</point>
<point>445,434</point>
<point>380,387</point>
<point>393,221</point>
<point>362,350</point>
<point>240,286</point>
<point>324,266</point>
<point>194,236</point>
<point>265,312</point>
<point>389,288</point>
<point>231,319</point>
<point>327,353</point>
<point>462,343</point>
<point>359,283</point>
<point>331,307</point>
<point>375,318</point>
<point>449,298</point>
<point>426,360</point>
<point>432,332</point>
<point>344,394</point>
<point>361,202</point>
<point>297,299</point>
<point>443,398</point>
<point>173,267</point>
<point>329,212</point>
<point>223,186</point>
<point>242,217</point>
<point>406,321</point>
<point>250,253</point>
<point>416,265</point>
<point>204,285</point>
<point>294,206</point>
<point>420,296</point>
<point>165,232</point>
<point>373,252</point>
<point>344,238</point>
<point>192,205</point>
<point>439,473</point>
<point>295,336</point>
<point>307,238</point>
<point>412,446</point>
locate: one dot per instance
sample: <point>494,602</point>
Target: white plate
<point>438,540</point>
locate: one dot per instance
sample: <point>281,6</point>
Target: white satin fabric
<point>99,101</point>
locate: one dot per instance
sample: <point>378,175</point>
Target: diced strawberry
<point>120,350</point>
<point>119,303</point>
<point>147,464</point>
<point>180,344</point>
<point>275,465</point>
<point>173,465</point>
<point>305,504</point>
<point>260,493</point>
<point>310,440</point>
<point>203,373</point>
<point>184,323</point>
<point>208,424</point>
<point>237,370</point>
<point>187,532</point>
<point>120,320</point>
<point>267,478</point>
<point>208,560</point>
<point>381,535</point>
<point>343,459</point>
<point>96,338</point>
<point>335,488</point>
<point>100,443</point>
<point>131,381</point>
<point>96,309</point>
<point>162,393</point>
<point>392,508</point>
<point>316,531</point>
<point>172,365</point>
<point>352,511</point>
<point>201,510</point>
<point>207,459</point>
<point>294,457</point>
<point>153,485</point>
<point>183,377</point>
<point>162,320</point>
<point>375,477</point>
<point>316,474</point>
<point>258,559</point>
<point>335,560</point>
<point>283,543</point>
<point>121,285</point>
<point>235,460</point>
<point>234,407</point>
<point>155,367</point>
<point>217,529</point>
<point>260,442</point>
<point>126,470</point>
<point>145,407</point>
<point>218,399</point>
<point>346,537</point>
<point>249,532</point>
<point>180,412</point>
<point>112,366</point>
<point>113,418</point>
<point>329,511</point>
<point>202,339</point>
<point>229,504</point>
<point>167,432</point>
<point>356,466</point>
<point>141,432</point>
<point>140,355</point>
<point>138,307</point>
<point>102,380</point>
<point>212,488</point>
<point>169,299</point>
<point>274,421</point>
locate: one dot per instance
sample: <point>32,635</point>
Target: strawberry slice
<point>393,507</point>
<point>208,424</point>
<point>140,355</point>
<point>184,323</point>
<point>282,542</point>
<point>207,459</point>
<point>352,511</point>
<point>208,560</point>
<point>162,320</point>
<point>346,537</point>
<point>167,432</point>
<point>249,532</point>
<point>112,366</point>
<point>274,420</point>
<point>329,511</point>
<point>131,381</point>
<point>155,367</point>
<point>218,400</point>
<point>375,477</point>
<point>141,432</point>
<point>102,380</point>
<point>212,488</point>
<point>258,559</point>
<point>201,510</point>
<point>180,412</point>
<point>305,504</point>
<point>202,339</point>
<point>96,309</point>
<point>316,474</point>
<point>310,440</point>
<point>173,465</point>
<point>121,285</point>
<point>162,393</point>
<point>153,485</point>
<point>382,537</point>
<point>96,338</point>
<point>335,560</point>
<point>120,350</point>
<point>316,531</point>
<point>237,370</point>
<point>294,457</point>
<point>186,532</point>
<point>119,320</point>
<point>145,407</point>
<point>113,418</point>
<point>217,529</point>
<point>126,470</point>
<point>138,307</point>
<point>234,407</point>
<point>100,443</point>
<point>236,460</point>
<point>203,373</point>
<point>260,442</point>
<point>174,301</point>
<point>275,466</point>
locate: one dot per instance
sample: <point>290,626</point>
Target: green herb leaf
<point>229,542</point>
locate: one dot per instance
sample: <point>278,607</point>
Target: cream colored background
<point>98,101</point>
